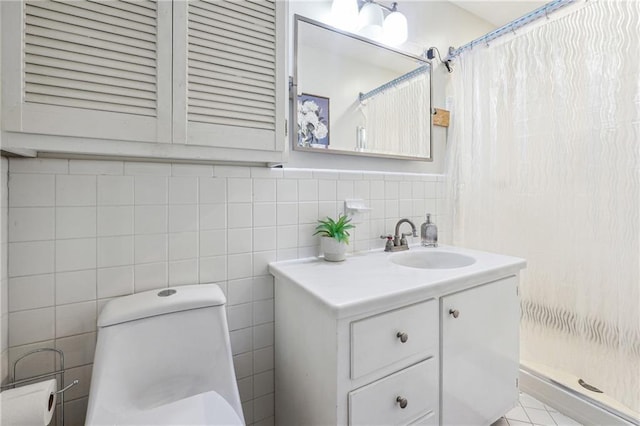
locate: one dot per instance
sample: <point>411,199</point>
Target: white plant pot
<point>334,250</point>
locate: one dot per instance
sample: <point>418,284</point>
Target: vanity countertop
<point>366,280</point>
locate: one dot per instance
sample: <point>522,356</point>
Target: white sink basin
<point>432,259</point>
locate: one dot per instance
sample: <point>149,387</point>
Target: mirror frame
<point>293,94</point>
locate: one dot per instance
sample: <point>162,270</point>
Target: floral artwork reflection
<point>313,121</point>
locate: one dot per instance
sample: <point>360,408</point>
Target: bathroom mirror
<point>354,96</point>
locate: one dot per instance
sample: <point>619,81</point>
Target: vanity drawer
<point>430,419</point>
<point>377,341</point>
<point>380,402</point>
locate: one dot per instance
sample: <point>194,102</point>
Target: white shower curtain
<point>406,107</point>
<point>544,163</point>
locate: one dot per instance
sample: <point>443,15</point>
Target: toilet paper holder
<point>60,371</point>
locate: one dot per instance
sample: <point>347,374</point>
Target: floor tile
<point>540,417</point>
<point>518,423</point>
<point>531,412</point>
<point>517,413</point>
<point>527,401</point>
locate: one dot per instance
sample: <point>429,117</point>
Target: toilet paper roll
<point>28,405</point>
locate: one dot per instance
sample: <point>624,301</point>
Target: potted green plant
<point>335,237</point>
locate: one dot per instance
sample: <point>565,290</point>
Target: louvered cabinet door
<point>94,69</point>
<point>229,74</point>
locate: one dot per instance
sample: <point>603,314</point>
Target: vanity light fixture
<point>344,14</point>
<point>395,28</point>
<point>370,21</point>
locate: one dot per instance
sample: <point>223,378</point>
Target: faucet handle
<point>389,244</point>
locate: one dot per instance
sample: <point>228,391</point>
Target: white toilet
<point>164,358</point>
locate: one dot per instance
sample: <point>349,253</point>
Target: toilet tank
<point>158,347</point>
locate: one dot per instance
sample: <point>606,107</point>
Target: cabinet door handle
<point>402,401</point>
<point>402,336</point>
<point>454,312</point>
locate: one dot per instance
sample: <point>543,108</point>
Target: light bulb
<point>344,14</point>
<point>395,29</point>
<point>370,21</point>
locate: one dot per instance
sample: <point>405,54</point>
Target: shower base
<point>562,391</point>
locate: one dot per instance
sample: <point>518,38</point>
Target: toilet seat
<point>208,408</point>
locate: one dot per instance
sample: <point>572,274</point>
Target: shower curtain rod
<point>392,83</point>
<point>511,27</point>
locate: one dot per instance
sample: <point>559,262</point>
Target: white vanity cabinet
<point>480,348</point>
<point>197,79</point>
<point>378,368</point>
<point>367,342</point>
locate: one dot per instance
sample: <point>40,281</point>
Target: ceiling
<point>499,12</point>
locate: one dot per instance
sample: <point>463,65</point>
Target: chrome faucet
<point>399,241</point>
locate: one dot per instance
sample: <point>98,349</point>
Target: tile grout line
<point>96,264</point>
<point>549,413</point>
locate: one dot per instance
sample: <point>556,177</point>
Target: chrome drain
<point>587,386</point>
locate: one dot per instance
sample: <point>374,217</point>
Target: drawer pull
<point>454,312</point>
<point>402,336</point>
<point>402,401</point>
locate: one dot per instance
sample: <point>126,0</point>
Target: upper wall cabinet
<point>88,69</point>
<point>230,51</point>
<point>200,80</point>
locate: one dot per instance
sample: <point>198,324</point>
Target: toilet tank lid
<point>160,302</point>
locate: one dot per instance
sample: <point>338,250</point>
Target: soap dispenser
<point>429,233</point>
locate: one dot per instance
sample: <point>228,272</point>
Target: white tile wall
<point>75,286</point>
<point>4,264</point>
<point>31,258</point>
<point>82,232</point>
<point>71,190</point>
<point>74,222</point>
<point>31,292</point>
<point>33,190</point>
<point>31,224</point>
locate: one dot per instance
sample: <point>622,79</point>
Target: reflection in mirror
<point>354,96</point>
